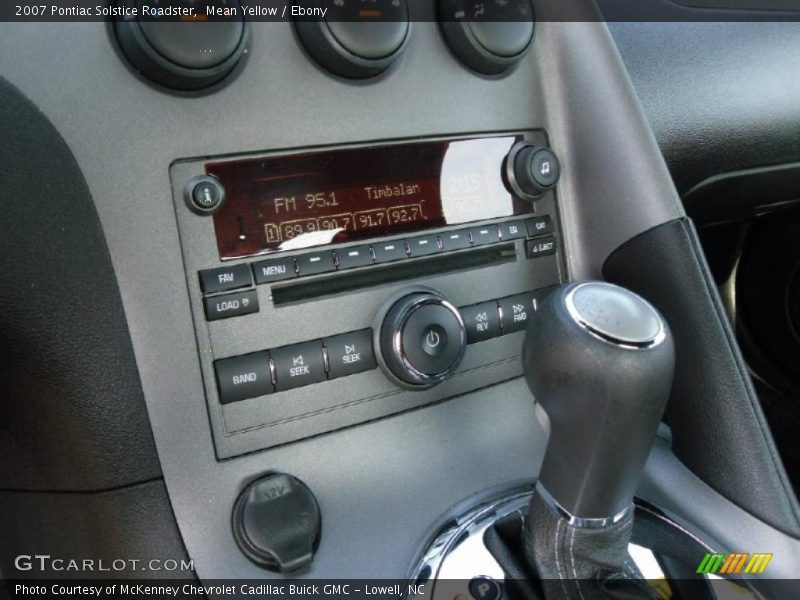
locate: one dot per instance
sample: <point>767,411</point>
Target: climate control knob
<point>420,338</point>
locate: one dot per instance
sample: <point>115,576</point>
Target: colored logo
<point>734,562</point>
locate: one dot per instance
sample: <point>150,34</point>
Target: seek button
<point>350,353</point>
<point>298,365</point>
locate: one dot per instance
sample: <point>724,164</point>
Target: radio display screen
<point>310,199</point>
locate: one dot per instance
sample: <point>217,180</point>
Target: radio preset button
<point>539,226</point>
<point>298,365</point>
<point>456,240</point>
<point>243,377</point>
<point>314,264</point>
<point>482,236</point>
<point>423,245</point>
<point>225,278</point>
<point>231,305</point>
<point>540,247</point>
<point>389,251</point>
<point>512,230</point>
<point>276,269</point>
<point>350,353</point>
<point>356,256</point>
<point>482,321</point>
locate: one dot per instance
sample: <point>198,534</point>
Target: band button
<point>243,377</point>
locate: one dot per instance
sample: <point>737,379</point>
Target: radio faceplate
<point>304,315</point>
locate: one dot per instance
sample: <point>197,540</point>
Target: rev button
<point>298,365</point>
<point>350,353</point>
<point>482,321</point>
<point>231,305</point>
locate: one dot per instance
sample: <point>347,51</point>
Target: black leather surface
<point>719,96</point>
<point>72,413</point>
<point>132,523</point>
<point>718,428</point>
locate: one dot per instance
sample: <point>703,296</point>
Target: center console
<point>298,262</point>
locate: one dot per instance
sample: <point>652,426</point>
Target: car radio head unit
<point>345,195</point>
<point>302,263</point>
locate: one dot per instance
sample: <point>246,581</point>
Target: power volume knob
<point>421,338</point>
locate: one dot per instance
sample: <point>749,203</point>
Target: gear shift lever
<point>599,359</point>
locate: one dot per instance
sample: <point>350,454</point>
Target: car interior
<point>493,299</point>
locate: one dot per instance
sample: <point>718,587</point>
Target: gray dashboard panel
<point>379,485</point>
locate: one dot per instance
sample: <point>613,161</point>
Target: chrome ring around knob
<point>392,351</point>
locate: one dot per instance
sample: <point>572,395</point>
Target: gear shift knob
<point>599,359</point>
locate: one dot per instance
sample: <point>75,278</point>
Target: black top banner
<point>367,11</point>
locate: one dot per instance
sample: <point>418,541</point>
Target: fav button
<point>225,278</point>
<point>231,305</point>
<point>350,353</point>
<point>243,377</point>
<point>298,365</point>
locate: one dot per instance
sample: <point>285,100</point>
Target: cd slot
<point>349,281</point>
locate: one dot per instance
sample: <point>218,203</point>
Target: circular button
<point>488,37</point>
<point>355,39</point>
<point>184,54</point>
<point>544,167</point>
<point>531,170</point>
<point>614,314</point>
<point>204,195</point>
<point>276,523</point>
<point>422,339</point>
<point>430,339</point>
<point>434,340</point>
